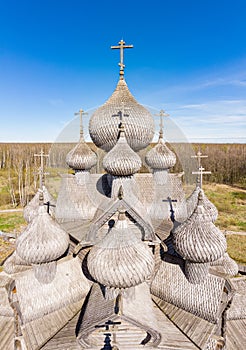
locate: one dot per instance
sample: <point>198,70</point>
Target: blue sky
<point>189,58</point>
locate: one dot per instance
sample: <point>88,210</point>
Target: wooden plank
<point>236,334</point>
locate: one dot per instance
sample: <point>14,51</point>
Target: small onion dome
<point>199,241</point>
<point>103,126</point>
<point>43,240</point>
<point>81,157</point>
<point>120,260</point>
<point>122,160</point>
<point>160,156</point>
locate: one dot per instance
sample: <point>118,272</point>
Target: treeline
<point>227,162</point>
<point>19,171</point>
<point>19,167</point>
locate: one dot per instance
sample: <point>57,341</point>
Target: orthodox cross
<point>113,329</point>
<point>171,201</point>
<point>121,47</point>
<point>121,114</point>
<point>162,114</point>
<point>107,324</point>
<point>81,113</point>
<point>199,156</point>
<point>41,171</point>
<point>201,172</point>
<point>48,206</point>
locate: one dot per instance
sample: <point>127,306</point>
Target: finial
<point>201,172</point>
<point>122,214</point>
<point>120,193</point>
<point>199,156</point>
<point>161,114</point>
<point>81,112</point>
<point>121,47</point>
<point>41,197</point>
<point>41,171</point>
<point>121,127</point>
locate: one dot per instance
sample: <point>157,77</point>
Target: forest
<point>19,167</point>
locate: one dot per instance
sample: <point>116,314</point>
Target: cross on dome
<point>121,114</point>
<point>199,156</point>
<point>201,172</point>
<point>81,112</point>
<point>121,47</point>
<point>41,171</point>
<point>162,114</point>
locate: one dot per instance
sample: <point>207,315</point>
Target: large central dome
<point>138,121</point>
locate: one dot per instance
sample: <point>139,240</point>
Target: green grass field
<point>12,222</point>
<point>231,204</point>
<point>236,247</point>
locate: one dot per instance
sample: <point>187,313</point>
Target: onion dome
<point>81,157</point>
<point>43,240</point>
<point>200,242</point>
<point>122,160</point>
<point>120,260</point>
<point>103,126</point>
<point>160,156</point>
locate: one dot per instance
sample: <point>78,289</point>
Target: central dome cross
<point>121,47</point>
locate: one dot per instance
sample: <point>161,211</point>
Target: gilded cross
<point>41,171</point>
<point>162,114</point>
<point>201,172</point>
<point>81,113</point>
<point>121,47</point>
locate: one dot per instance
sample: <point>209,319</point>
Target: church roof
<point>225,265</point>
<point>37,299</point>
<point>202,300</point>
<point>103,126</point>
<point>132,206</point>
